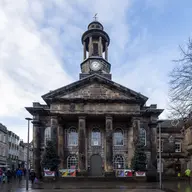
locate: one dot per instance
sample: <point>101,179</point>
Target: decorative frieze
<point>95,108</point>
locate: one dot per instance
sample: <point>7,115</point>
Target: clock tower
<point>95,51</point>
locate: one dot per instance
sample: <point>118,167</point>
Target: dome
<point>95,25</point>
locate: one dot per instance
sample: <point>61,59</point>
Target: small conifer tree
<point>138,162</point>
<point>50,158</point>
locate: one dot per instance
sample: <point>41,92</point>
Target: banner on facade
<point>120,173</point>
<point>67,172</point>
<point>124,173</point>
<point>49,173</point>
<point>128,173</point>
<point>140,174</point>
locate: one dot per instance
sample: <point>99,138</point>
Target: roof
<point>94,78</point>
<point>95,22</point>
<point>3,128</point>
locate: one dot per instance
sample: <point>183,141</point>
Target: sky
<point>41,50</point>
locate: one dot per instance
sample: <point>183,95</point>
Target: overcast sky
<point>41,50</point>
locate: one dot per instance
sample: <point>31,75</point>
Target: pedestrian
<point>1,174</point>
<point>19,174</point>
<point>9,175</point>
<point>3,178</point>
<point>188,174</point>
<point>32,176</point>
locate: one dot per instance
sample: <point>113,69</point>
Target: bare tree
<point>181,84</point>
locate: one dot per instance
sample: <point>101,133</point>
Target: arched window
<point>95,137</point>
<point>142,136</point>
<point>118,137</point>
<point>72,162</point>
<point>72,137</point>
<point>118,162</point>
<point>47,135</point>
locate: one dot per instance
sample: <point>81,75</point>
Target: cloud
<point>39,40</point>
<point>41,50</point>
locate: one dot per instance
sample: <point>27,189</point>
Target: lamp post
<point>27,178</point>
<point>160,168</point>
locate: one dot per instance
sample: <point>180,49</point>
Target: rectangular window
<point>142,136</point>
<point>158,145</point>
<point>177,147</point>
<point>95,49</point>
<point>95,138</point>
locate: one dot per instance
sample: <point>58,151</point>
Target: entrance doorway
<point>96,166</point>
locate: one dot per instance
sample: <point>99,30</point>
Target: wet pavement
<point>15,186</point>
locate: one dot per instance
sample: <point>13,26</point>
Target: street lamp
<point>27,178</point>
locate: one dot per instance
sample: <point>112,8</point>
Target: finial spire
<point>95,17</point>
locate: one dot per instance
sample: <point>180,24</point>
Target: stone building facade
<point>94,121</point>
<point>173,147</point>
<point>13,150</point>
<point>3,146</point>
<point>187,132</point>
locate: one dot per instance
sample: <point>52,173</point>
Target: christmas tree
<point>50,158</point>
<point>138,162</point>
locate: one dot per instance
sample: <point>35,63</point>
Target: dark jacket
<point>9,174</point>
<point>32,175</point>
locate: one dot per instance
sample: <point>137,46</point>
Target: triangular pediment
<point>94,87</point>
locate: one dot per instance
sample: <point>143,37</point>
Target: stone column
<point>100,46</point>
<point>82,143</point>
<point>84,50</point>
<point>60,149</point>
<point>90,46</point>
<point>54,126</point>
<point>153,142</point>
<point>106,51</point>
<point>130,145</point>
<point>36,148</point>
<point>133,134</point>
<point>109,144</point>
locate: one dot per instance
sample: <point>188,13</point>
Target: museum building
<point>95,121</point>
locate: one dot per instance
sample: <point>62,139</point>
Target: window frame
<point>115,131</point>
<point>70,144</point>
<point>115,162</point>
<point>70,158</point>
<point>47,135</point>
<point>145,141</point>
<point>178,143</point>
<point>99,141</point>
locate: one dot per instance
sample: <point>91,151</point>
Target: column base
<point>109,173</point>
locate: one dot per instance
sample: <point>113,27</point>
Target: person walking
<point>9,175</point>
<point>32,176</point>
<point>19,174</point>
<point>188,174</point>
<point>1,175</point>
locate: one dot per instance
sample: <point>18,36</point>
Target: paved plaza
<point>96,187</point>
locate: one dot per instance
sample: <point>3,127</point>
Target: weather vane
<point>95,17</point>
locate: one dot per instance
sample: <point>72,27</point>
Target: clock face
<point>95,66</point>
